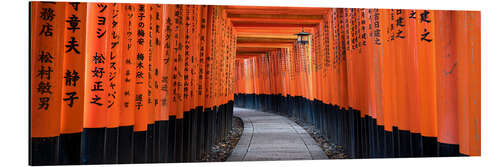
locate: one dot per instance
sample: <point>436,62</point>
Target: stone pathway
<point>267,136</point>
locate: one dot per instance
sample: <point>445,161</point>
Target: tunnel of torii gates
<point>135,83</point>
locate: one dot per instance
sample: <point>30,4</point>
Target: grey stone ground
<point>267,136</point>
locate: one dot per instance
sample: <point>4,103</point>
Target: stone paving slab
<point>267,136</point>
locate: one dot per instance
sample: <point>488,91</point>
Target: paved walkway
<point>267,136</point>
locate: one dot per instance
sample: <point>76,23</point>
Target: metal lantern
<point>303,37</point>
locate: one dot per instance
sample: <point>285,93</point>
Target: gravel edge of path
<point>331,150</point>
<point>221,151</point>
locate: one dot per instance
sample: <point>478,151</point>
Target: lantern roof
<point>303,33</point>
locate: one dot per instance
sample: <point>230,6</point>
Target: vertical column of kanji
<point>413,89</point>
<point>207,76</point>
<point>349,19</point>
<point>195,84</point>
<point>446,85</point>
<point>392,82</point>
<point>214,73</point>
<point>304,74</point>
<point>315,79</point>
<point>141,80</point>
<point>164,79</point>
<point>174,14</point>
<point>342,90</point>
<point>96,87</point>
<point>191,65</point>
<point>312,54</point>
<point>343,99</point>
<point>225,64</point>
<point>47,35</point>
<point>150,108</point>
<point>318,94</point>
<point>230,68</point>
<point>474,29</point>
<point>156,28</point>
<point>128,39</point>
<point>363,60</point>
<point>363,79</point>
<point>327,75</point>
<point>315,83</point>
<point>300,77</point>
<point>180,57</point>
<point>394,45</point>
<point>200,90</point>
<point>352,57</point>
<point>113,95</point>
<point>333,75</point>
<point>427,80</point>
<point>169,64</point>
<point>232,61</point>
<point>352,82</point>
<point>394,94</point>
<point>398,81</point>
<point>400,34</point>
<point>220,71</point>
<point>378,108</point>
<point>153,83</point>
<point>370,92</point>
<point>219,57</point>
<point>385,81</point>
<point>73,87</point>
<point>320,89</point>
<point>186,85</point>
<point>225,74</point>
<point>358,70</point>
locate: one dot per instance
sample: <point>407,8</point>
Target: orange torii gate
<point>129,83</point>
<point>382,83</point>
<point>136,83</point>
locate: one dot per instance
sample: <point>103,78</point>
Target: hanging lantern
<point>303,37</point>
